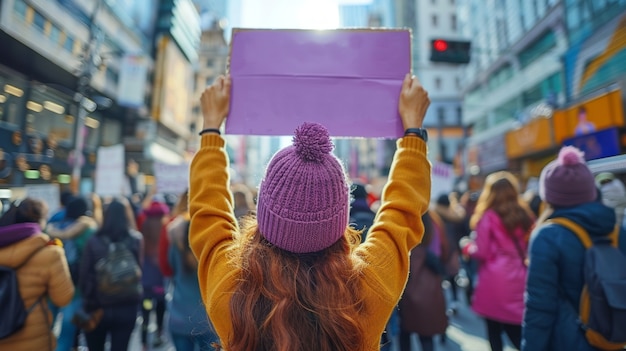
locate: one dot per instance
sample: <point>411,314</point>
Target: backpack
<point>118,274</point>
<point>14,312</point>
<point>602,311</point>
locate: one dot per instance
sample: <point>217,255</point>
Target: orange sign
<point>534,136</point>
<point>599,113</point>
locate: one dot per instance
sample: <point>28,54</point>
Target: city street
<point>224,152</point>
<point>466,332</point>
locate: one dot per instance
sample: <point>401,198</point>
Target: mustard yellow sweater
<point>384,254</point>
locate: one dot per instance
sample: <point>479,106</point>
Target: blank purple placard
<point>346,79</point>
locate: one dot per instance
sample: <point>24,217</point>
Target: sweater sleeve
<point>398,225</point>
<point>213,221</point>
<point>541,294</point>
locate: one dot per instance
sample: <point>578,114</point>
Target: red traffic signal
<point>440,45</point>
<point>449,51</point>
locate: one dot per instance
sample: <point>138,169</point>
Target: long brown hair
<point>285,301</point>
<point>501,193</point>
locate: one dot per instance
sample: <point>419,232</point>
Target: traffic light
<point>450,51</point>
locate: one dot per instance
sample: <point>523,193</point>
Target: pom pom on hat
<point>312,142</point>
<point>303,201</point>
<point>570,155</point>
<point>567,181</point>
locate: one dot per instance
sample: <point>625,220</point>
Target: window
<point>11,99</point>
<point>499,77</point>
<point>453,23</point>
<point>506,111</point>
<point>535,50</point>
<point>434,20</point>
<point>46,115</point>
<point>55,34</point>
<point>68,44</point>
<point>92,129</point>
<point>20,9</point>
<point>39,21</point>
<point>438,83</point>
<point>598,5</point>
<point>481,124</point>
<point>573,17</point>
<point>111,132</point>
<point>112,75</point>
<point>441,115</point>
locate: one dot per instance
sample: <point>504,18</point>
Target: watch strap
<point>420,132</point>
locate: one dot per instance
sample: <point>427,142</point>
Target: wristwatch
<point>420,132</point>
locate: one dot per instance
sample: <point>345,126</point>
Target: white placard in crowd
<point>132,81</point>
<point>48,193</point>
<point>110,168</point>
<point>171,179</point>
<point>442,179</point>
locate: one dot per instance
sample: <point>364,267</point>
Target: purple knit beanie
<point>303,201</point>
<point>567,181</point>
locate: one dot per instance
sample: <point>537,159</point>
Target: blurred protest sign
<point>110,176</point>
<point>171,179</point>
<point>346,79</point>
<point>442,179</point>
<point>48,193</point>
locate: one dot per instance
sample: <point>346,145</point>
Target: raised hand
<point>215,102</point>
<point>413,102</point>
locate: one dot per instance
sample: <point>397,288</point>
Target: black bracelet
<point>210,130</point>
<point>419,132</point>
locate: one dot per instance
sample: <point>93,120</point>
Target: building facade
<point>59,82</point>
<point>437,19</point>
<point>558,80</point>
<point>84,74</point>
<point>515,76</point>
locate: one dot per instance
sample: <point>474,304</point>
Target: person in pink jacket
<point>502,221</point>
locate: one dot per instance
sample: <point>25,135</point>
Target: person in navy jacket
<point>555,275</point>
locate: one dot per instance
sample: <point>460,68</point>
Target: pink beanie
<point>567,181</point>
<point>303,200</point>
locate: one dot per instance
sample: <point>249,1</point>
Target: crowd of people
<point>312,258</point>
<point>59,258</point>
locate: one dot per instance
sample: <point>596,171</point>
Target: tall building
<point>592,117</point>
<point>212,58</point>
<point>60,74</point>
<point>374,13</point>
<point>78,75</point>
<point>437,19</point>
<point>597,52</point>
<point>514,77</point>
<point>162,137</point>
<point>430,20</point>
<point>546,74</point>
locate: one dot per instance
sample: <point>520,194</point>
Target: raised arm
<point>210,201</point>
<point>398,226</point>
<point>72,231</point>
